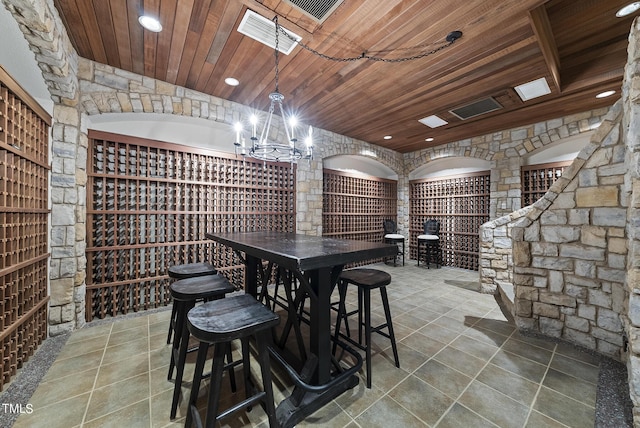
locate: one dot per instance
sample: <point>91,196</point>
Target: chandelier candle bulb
<point>238,127</point>
<point>254,121</point>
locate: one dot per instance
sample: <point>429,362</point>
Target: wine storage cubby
<point>354,206</point>
<point>24,225</point>
<point>461,204</point>
<point>150,205</point>
<point>536,179</point>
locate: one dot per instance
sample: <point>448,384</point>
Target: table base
<point>289,414</point>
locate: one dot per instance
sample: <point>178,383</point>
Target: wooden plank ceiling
<point>578,46</point>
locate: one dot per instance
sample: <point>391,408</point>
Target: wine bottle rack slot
<point>461,204</point>
<point>24,227</point>
<point>151,204</point>
<point>355,205</point>
<point>537,179</point>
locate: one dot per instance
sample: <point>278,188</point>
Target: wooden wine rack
<point>461,204</point>
<point>536,179</point>
<point>24,213</point>
<point>354,206</point>
<point>151,204</point>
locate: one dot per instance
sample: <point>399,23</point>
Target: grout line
<point>95,380</point>
<point>487,362</point>
<point>535,397</point>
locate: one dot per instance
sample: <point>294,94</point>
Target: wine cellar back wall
<point>354,206</point>
<point>150,205</point>
<point>461,205</point>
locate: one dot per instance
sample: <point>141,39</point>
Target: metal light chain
<point>451,38</point>
<point>275,19</point>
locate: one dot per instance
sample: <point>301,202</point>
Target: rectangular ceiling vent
<point>476,108</point>
<point>264,30</point>
<point>317,9</point>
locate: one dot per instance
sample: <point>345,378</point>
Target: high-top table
<point>316,262</point>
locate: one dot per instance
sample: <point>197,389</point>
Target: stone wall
<point>569,250</point>
<point>630,131</point>
<point>566,254</point>
<point>505,150</point>
<point>496,253</point>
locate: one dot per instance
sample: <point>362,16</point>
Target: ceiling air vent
<point>318,9</point>
<point>476,108</point>
<point>264,30</point>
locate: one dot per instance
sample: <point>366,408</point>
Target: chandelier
<point>262,147</point>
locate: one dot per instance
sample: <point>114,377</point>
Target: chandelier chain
<point>276,51</point>
<point>364,55</point>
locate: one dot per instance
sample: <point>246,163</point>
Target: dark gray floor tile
<point>443,377</point>
<point>494,406</point>
<point>459,416</point>
<point>521,366</point>
<point>564,409</point>
<point>510,384</point>
<point>573,387</point>
<point>421,399</point>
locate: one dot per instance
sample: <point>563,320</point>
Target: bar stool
<point>391,236</point>
<point>366,280</point>
<point>430,240</point>
<point>186,292</point>
<point>218,323</point>
<point>187,270</point>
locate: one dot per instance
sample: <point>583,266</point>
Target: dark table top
<point>303,252</point>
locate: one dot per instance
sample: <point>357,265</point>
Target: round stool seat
<point>200,287</point>
<point>218,323</point>
<point>393,236</point>
<point>429,237</point>
<point>370,278</point>
<point>189,270</point>
<point>230,318</point>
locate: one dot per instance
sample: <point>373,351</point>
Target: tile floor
<point>462,365</point>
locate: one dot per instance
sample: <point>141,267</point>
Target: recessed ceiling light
<point>433,121</point>
<point>231,81</point>
<point>628,9</point>
<point>150,23</point>
<point>605,94</point>
<point>387,137</point>
<point>429,139</point>
<point>534,89</point>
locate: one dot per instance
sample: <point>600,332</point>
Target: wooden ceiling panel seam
<point>179,39</point>
<point>205,41</point>
<point>199,15</point>
<point>89,20</point>
<point>151,7</point>
<point>107,32</point>
<point>70,17</point>
<point>120,22</point>
<point>136,36</point>
<point>230,16</point>
<point>188,53</point>
<point>168,10</point>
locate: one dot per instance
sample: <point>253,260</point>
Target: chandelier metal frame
<point>288,151</point>
<point>264,149</point>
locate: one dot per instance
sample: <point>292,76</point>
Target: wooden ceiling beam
<point>542,29</point>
